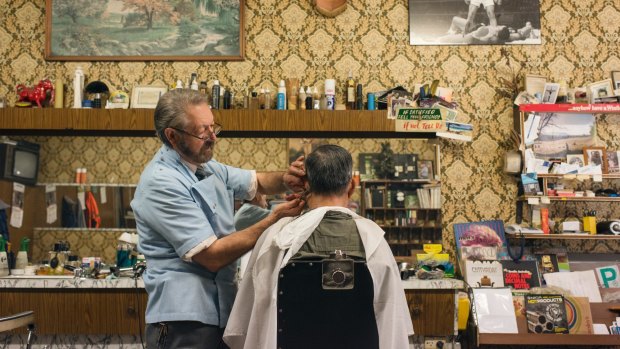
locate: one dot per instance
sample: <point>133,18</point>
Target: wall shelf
<point>237,123</point>
<point>574,198</point>
<point>564,236</point>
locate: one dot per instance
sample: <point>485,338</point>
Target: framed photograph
<point>596,156</point>
<point>474,22</point>
<point>535,85</point>
<point>405,166</point>
<point>613,161</point>
<point>600,89</point>
<point>615,77</point>
<point>575,159</point>
<point>129,30</point>
<point>146,96</point>
<point>550,93</point>
<point>425,169</point>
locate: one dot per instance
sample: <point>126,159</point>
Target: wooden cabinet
<point>432,312</point>
<point>394,207</point>
<point>79,311</point>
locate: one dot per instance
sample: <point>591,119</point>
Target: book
<point>484,274</point>
<point>547,263</point>
<point>546,313</point>
<point>484,233</point>
<point>561,254</point>
<point>579,315</point>
<point>522,275</point>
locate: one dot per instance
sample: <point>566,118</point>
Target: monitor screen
<point>25,164</point>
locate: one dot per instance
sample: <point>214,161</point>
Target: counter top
<point>66,282</point>
<point>417,284</point>
<point>71,282</point>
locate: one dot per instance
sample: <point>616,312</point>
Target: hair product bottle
<point>330,94</point>
<point>350,92</point>
<point>302,98</point>
<point>308,100</point>
<point>281,96</point>
<point>78,87</point>
<point>359,98</point>
<point>215,95</point>
<point>267,98</point>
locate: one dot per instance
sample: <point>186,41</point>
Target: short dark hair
<point>504,34</point>
<point>329,169</point>
<point>171,110</point>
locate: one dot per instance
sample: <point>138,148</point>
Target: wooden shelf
<point>547,339</point>
<point>237,123</point>
<point>604,108</point>
<point>575,176</point>
<point>574,198</point>
<point>402,209</point>
<point>400,181</point>
<point>564,236</point>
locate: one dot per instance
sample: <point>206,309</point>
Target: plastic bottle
<point>21,261</point>
<point>193,82</point>
<point>59,98</point>
<point>350,92</point>
<point>4,260</point>
<point>215,95</point>
<point>302,98</point>
<point>261,98</point>
<point>267,99</point>
<point>308,98</point>
<point>371,101</point>
<point>359,98</point>
<point>78,87</point>
<point>281,103</point>
<point>227,99</point>
<point>330,94</point>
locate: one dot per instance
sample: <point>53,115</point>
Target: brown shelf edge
<point>564,237</point>
<point>237,123</point>
<point>547,339</point>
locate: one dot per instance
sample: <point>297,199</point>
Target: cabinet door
<point>432,311</point>
<point>68,311</point>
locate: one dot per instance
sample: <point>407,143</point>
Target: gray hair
<point>171,110</point>
<point>329,169</point>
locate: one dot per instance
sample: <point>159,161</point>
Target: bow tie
<point>200,173</point>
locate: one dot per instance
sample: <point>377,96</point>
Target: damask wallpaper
<point>290,39</point>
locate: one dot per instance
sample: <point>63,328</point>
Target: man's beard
<point>203,155</point>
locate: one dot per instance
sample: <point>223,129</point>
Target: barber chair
<point>19,320</point>
<point>310,316</point>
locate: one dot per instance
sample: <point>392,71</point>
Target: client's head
<point>328,169</point>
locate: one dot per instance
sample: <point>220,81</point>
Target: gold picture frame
<point>81,31</point>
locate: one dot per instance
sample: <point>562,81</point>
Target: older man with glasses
<point>184,207</point>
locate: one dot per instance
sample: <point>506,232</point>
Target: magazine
<point>484,233</point>
<point>579,315</point>
<point>546,313</point>
<point>484,274</point>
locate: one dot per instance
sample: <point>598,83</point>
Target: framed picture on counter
<point>135,30</point>
<point>596,156</point>
<point>146,96</point>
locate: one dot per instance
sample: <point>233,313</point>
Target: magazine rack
<point>601,314</point>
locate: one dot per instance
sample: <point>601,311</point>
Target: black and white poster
<point>474,22</point>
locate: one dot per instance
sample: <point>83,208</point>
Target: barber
<point>184,207</point>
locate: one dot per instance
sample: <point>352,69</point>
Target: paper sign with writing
<point>419,120</point>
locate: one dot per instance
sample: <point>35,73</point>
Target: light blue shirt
<point>174,213</point>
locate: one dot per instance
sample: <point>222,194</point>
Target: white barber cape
<point>253,321</point>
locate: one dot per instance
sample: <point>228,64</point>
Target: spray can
<point>330,94</point>
<point>78,87</point>
<point>215,95</point>
<point>4,260</point>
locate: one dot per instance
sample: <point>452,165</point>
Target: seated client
<point>326,226</point>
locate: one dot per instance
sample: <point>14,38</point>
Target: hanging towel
<point>93,220</point>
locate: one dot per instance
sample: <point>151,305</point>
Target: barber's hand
<point>292,207</point>
<point>295,175</point>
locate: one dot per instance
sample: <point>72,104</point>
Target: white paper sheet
<point>580,283</point>
<point>17,207</point>
<point>495,312</point>
<point>530,127</point>
<point>50,204</point>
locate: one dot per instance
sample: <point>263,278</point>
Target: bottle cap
<point>262,90</point>
<point>308,90</point>
<point>216,82</point>
<point>281,83</point>
<point>301,90</point>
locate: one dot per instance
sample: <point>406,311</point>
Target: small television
<point>19,161</point>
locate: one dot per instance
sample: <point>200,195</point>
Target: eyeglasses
<point>214,130</point>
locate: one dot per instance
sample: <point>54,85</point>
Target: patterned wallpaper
<point>290,39</point>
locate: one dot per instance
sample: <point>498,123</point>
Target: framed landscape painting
<point>144,30</point>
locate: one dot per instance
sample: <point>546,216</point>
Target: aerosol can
<point>4,261</point>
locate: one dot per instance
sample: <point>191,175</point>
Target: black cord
<point>521,247</point>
